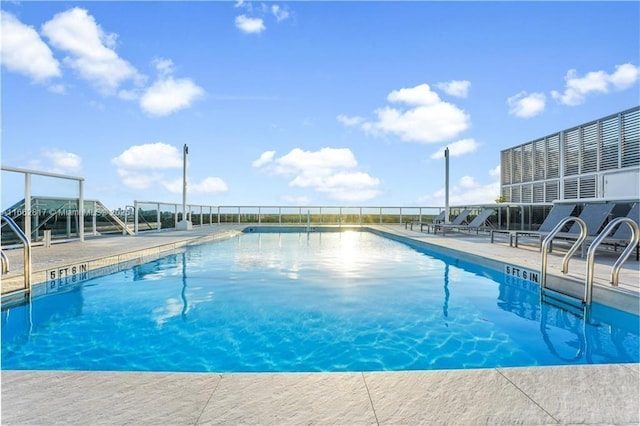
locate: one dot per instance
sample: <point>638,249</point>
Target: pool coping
<point>520,395</point>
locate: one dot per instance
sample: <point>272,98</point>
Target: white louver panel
<point>505,167</point>
<point>515,194</point>
<point>589,149</point>
<point>588,187</point>
<point>609,148</point>
<point>538,192</point>
<point>539,163</point>
<point>570,189</point>
<point>631,139</point>
<point>527,163</point>
<point>527,194</point>
<point>517,165</point>
<point>571,152</point>
<point>553,156</point>
<point>552,191</point>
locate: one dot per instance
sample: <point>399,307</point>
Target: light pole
<point>184,224</point>
<point>446,185</point>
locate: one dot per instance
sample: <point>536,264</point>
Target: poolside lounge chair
<point>438,219</point>
<point>594,216</point>
<point>622,236</point>
<point>476,224</point>
<point>457,221</point>
<point>557,213</point>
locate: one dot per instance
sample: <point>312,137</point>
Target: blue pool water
<point>284,302</point>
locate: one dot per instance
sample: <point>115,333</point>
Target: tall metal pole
<point>184,224</point>
<point>185,151</point>
<point>446,185</point>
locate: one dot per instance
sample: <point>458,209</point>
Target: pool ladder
<point>27,251</point>
<point>615,270</point>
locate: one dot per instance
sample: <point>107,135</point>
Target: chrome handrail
<point>27,249</point>
<point>5,262</point>
<point>567,257</point>
<point>615,270</point>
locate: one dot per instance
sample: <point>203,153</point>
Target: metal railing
<point>153,215</point>
<point>27,249</point>
<point>615,270</point>
<point>565,261</point>
<point>27,194</point>
<point>5,262</point>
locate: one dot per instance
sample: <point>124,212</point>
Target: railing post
<point>380,216</point>
<point>27,205</point>
<point>158,217</point>
<point>81,209</point>
<point>94,219</point>
<point>135,217</point>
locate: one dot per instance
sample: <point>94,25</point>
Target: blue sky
<point>301,103</point>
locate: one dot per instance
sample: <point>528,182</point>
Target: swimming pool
<point>290,302</point>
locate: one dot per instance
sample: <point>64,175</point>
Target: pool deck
<point>585,394</point>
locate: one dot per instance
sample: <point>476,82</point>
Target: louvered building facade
<point>597,160</point>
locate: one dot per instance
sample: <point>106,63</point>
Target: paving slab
<point>461,397</point>
<point>290,399</point>
<point>597,394</point>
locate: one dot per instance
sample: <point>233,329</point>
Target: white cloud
<point>350,121</point>
<point>331,171</point>
<point>157,155</point>
<point>209,185</point>
<point>62,162</point>
<point>280,13</point>
<point>468,191</point>
<point>456,149</point>
<point>23,51</point>
<point>164,66</point>
<point>250,25</point>
<point>169,95</point>
<point>142,166</point>
<point>525,105</point>
<point>265,157</point>
<point>577,88</point>
<point>457,88</point>
<point>90,49</point>
<point>419,95</point>
<point>429,123</point>
<point>495,172</point>
<point>428,118</point>
<point>624,76</point>
<point>137,179</point>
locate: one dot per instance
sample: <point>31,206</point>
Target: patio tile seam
<point>499,370</point>
<point>204,407</point>
<point>364,380</point>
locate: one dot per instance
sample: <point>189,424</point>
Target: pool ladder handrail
<point>615,270</point>
<point>27,249</point>
<point>565,261</point>
<point>5,262</point>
